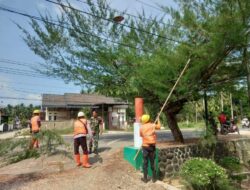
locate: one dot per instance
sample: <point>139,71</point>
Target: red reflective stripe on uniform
<point>79,127</point>
<point>147,132</point>
<point>35,123</point>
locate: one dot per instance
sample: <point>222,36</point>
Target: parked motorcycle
<point>245,123</point>
<point>229,127</point>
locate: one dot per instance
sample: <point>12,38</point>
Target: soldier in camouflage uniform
<point>96,125</point>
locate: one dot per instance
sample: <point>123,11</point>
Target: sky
<point>19,82</point>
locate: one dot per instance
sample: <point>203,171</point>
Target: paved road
<point>120,139</point>
<point>114,140</point>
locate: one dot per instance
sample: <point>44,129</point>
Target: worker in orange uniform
<point>147,132</point>
<point>80,134</point>
<point>35,128</point>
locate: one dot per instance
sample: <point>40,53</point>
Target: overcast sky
<point>18,82</point>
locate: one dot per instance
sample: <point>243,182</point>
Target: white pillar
<point>137,138</point>
<point>46,114</point>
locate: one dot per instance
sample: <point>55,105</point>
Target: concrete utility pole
<point>139,110</point>
<point>205,108</point>
<point>231,102</point>
<point>221,101</point>
<point>196,112</point>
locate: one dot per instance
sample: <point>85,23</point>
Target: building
<point>65,107</point>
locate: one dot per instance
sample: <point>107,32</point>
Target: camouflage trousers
<point>94,141</point>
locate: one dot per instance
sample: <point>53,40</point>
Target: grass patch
<point>185,125</point>
<point>64,131</point>
<point>13,150</point>
<point>59,131</point>
<point>24,155</point>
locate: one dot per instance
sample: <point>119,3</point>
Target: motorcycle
<point>245,123</point>
<point>229,127</point>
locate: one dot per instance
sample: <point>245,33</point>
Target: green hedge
<point>204,174</point>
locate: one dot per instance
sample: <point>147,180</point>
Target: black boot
<point>90,151</point>
<point>154,177</point>
<point>145,178</point>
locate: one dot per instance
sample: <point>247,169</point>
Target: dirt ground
<point>109,171</point>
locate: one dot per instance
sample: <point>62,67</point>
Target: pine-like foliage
<point>139,57</point>
<point>16,149</point>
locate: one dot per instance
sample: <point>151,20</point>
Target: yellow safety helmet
<point>145,118</point>
<point>36,111</point>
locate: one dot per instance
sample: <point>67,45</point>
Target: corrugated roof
<point>73,100</point>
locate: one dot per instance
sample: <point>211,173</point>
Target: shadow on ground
<point>96,158</point>
<point>14,181</point>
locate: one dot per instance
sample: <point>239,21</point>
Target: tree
<point>139,56</point>
<point>244,7</point>
<point>21,111</point>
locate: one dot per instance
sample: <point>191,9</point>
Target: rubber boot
<point>145,177</point>
<point>90,150</point>
<point>85,162</point>
<point>154,178</point>
<point>77,159</point>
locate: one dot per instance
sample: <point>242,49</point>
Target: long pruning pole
<point>169,95</point>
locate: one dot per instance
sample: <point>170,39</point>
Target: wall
<point>171,158</point>
<point>57,124</point>
<point>118,118</point>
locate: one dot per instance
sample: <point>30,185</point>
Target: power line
<point>40,85</point>
<point>22,72</point>
<point>26,64</point>
<point>129,14</point>
<point>69,28</point>
<point>110,20</point>
<point>149,5</point>
<point>29,72</point>
<point>8,61</point>
<point>15,98</point>
<point>23,91</point>
<point>13,71</point>
<point>30,91</point>
<point>81,103</point>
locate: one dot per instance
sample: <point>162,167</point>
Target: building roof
<point>73,100</point>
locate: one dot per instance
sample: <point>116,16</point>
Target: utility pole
<point>221,101</point>
<point>196,114</point>
<point>231,102</point>
<point>206,110</point>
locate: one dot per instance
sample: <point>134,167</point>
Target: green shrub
<point>51,140</point>
<point>10,145</point>
<point>207,144</point>
<point>204,174</point>
<point>28,153</point>
<point>232,165</point>
<point>16,149</point>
